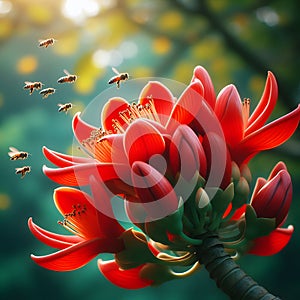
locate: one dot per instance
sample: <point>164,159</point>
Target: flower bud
<point>272,199</point>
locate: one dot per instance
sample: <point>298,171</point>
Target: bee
<point>118,78</point>
<point>64,107</point>
<point>23,171</point>
<point>15,154</point>
<point>46,43</point>
<point>47,92</point>
<point>69,78</point>
<point>32,85</point>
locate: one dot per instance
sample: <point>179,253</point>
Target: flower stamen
<point>246,111</point>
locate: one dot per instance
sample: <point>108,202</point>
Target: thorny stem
<point>227,274</point>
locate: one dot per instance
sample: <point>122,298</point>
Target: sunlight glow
<point>267,15</point>
<point>5,7</point>
<point>78,10</point>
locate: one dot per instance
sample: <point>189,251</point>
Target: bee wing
<point>60,105</point>
<point>28,82</point>
<point>115,70</point>
<point>66,72</point>
<point>13,149</point>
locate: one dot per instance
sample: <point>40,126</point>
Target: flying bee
<point>46,43</point>
<point>118,78</point>
<point>23,171</point>
<point>70,78</point>
<point>32,85</point>
<point>64,107</point>
<point>47,92</point>
<point>15,154</point>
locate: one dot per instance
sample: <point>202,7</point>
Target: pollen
<point>71,222</point>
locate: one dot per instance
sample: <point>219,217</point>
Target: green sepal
<point>157,273</point>
<point>235,172</point>
<point>246,173</point>
<point>136,250</point>
<point>221,199</point>
<point>241,193</point>
<point>257,227</point>
<point>158,230</point>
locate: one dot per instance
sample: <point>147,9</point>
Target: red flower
<point>246,136</point>
<point>271,199</point>
<point>93,232</point>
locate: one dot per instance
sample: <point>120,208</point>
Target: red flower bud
<point>272,198</point>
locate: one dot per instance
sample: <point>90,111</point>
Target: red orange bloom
<point>180,169</point>
<point>247,135</point>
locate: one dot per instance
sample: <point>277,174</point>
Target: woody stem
<point>227,274</point>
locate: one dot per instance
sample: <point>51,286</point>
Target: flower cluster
<point>179,166</point>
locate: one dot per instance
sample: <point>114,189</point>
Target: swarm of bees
<point>15,154</point>
<point>118,78</point>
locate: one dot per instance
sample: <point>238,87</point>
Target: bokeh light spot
<point>6,28</point>
<point>39,14</point>
<point>161,45</point>
<point>69,45</point>
<point>4,201</point>
<point>27,64</point>
<point>171,20</point>
<point>5,7</point>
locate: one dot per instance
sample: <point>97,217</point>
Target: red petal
<point>270,136</point>
<point>142,140</point>
<point>272,243</point>
<point>186,108</point>
<point>81,129</point>
<point>229,111</point>
<point>218,161</point>
<point>154,190</point>
<point>279,166</point>
<point>265,106</point>
<point>209,92</point>
<point>78,255</point>
<point>78,175</point>
<point>127,279</point>
<point>51,239</point>
<point>186,153</point>
<point>63,160</point>
<point>162,98</point>
<point>260,182</point>
<point>239,212</point>
<point>101,201</point>
<point>111,111</point>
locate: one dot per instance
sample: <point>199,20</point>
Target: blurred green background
<point>237,41</point>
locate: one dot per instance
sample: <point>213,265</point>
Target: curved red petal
<point>162,98</point>
<point>78,175</point>
<point>279,166</point>
<point>64,160</point>
<point>81,129</point>
<point>109,226</point>
<point>269,136</point>
<point>78,255</point>
<point>209,95</point>
<point>51,239</point>
<point>127,279</point>
<point>272,243</point>
<point>229,111</point>
<point>260,182</point>
<point>186,108</point>
<point>154,190</point>
<point>265,106</point>
<point>142,140</point>
<point>111,111</point>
